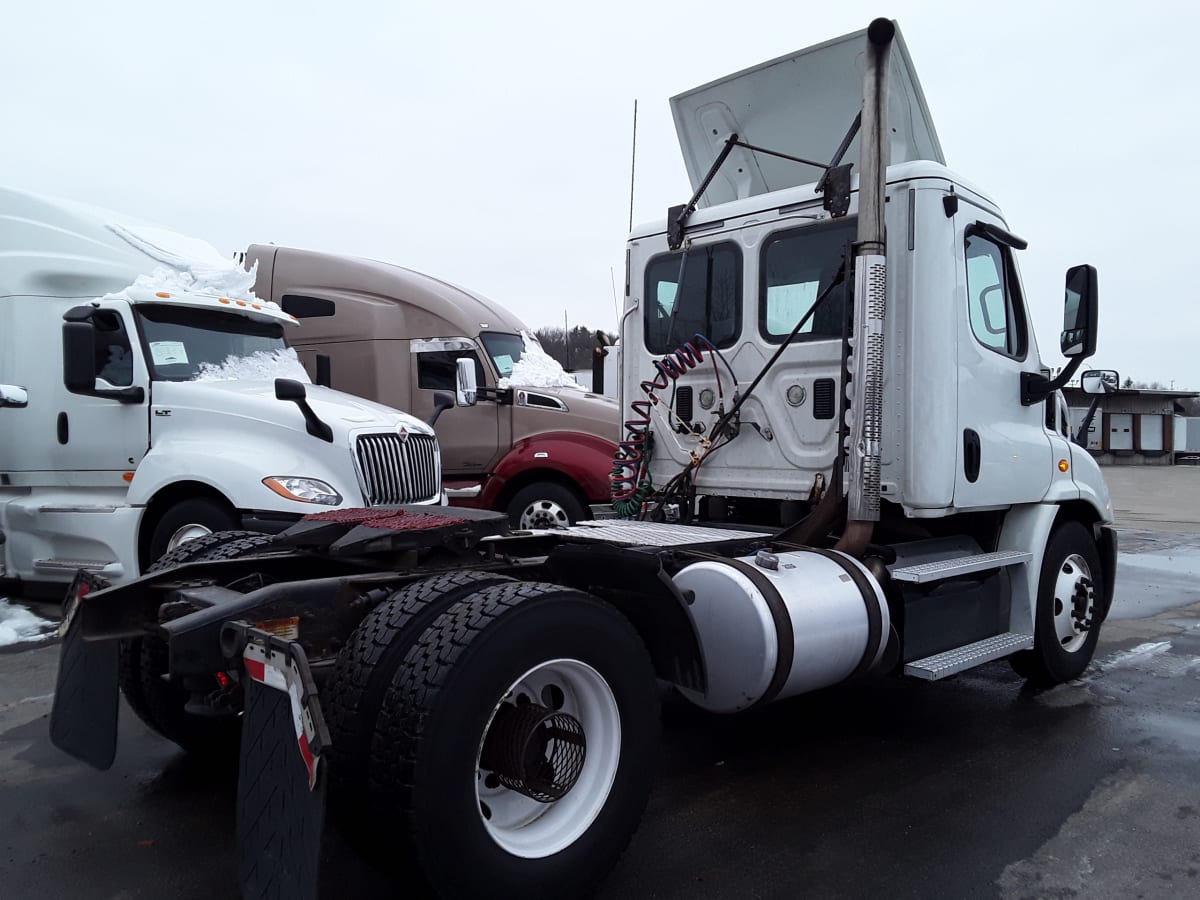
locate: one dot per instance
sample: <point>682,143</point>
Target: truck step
<point>963,565</point>
<point>71,564</point>
<point>951,662</point>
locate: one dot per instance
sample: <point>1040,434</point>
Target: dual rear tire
<point>514,743</point>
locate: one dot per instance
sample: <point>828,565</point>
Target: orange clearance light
<point>163,294</point>
<point>1063,465</point>
<point>223,299</point>
<point>241,302</point>
<point>255,306</point>
<point>128,476</point>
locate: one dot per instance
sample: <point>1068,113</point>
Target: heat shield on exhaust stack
<point>800,104</point>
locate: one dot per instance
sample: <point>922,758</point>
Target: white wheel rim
<point>1074,602</point>
<point>544,514</point>
<point>186,533</point>
<point>525,827</point>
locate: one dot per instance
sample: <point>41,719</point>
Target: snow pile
<point>18,625</point>
<point>190,265</point>
<point>259,366</point>
<point>538,369</point>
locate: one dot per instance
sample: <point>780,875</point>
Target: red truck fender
<point>584,459</point>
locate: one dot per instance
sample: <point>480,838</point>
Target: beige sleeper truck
<point>542,454</point>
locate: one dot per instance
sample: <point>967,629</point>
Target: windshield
<point>184,343</point>
<point>504,349</point>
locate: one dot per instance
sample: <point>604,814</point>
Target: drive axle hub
<point>536,751</point>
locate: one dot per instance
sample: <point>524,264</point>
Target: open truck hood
<point>801,104</point>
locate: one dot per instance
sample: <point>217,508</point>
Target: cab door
<point>1005,455</point>
<point>96,436</point>
<point>468,435</point>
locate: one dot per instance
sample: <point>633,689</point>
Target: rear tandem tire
<point>364,668</point>
<point>1070,591</point>
<point>486,659</point>
<point>158,701</point>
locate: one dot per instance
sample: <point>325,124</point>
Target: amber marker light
<point>1063,465</point>
<point>128,476</point>
<point>163,294</point>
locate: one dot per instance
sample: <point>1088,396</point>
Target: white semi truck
<point>146,411</point>
<point>843,457</point>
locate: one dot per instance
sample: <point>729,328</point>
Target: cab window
<point>436,369</point>
<point>709,301</point>
<point>114,355</point>
<point>797,265</point>
<point>993,297</point>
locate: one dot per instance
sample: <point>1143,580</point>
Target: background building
<point>1138,426</point>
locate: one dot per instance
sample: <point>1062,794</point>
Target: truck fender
<point>583,458</point>
<point>1027,527</point>
<point>639,587</point>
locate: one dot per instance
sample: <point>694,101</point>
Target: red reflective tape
<point>310,762</point>
<point>256,669</point>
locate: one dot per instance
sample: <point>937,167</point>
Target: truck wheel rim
<point>544,514</point>
<point>185,534</point>
<point>1074,602</point>
<point>533,829</point>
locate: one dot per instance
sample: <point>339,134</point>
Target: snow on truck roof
<point>61,249</point>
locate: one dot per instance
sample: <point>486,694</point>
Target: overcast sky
<point>489,143</point>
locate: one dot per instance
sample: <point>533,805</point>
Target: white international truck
<point>843,458</point>
<point>146,410</point>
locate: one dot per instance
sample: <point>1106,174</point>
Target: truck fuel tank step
<point>951,662</point>
<point>962,565</point>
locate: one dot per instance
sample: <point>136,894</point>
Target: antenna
<point>632,164</point>
<point>612,277</point>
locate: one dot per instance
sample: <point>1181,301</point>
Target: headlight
<point>306,490</point>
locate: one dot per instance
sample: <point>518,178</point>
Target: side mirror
<point>13,397</point>
<point>79,357</point>
<point>1078,340</point>
<point>466,388</point>
<point>289,389</point>
<point>79,360</point>
<point>1100,381</point>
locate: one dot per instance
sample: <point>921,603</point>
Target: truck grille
<point>395,469</point>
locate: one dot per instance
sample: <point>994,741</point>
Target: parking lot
<point>972,787</point>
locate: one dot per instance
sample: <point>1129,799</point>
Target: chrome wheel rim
<point>186,533</point>
<point>544,514</point>
<point>1074,603</point>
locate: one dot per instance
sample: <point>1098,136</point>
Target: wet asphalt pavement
<point>971,787</point>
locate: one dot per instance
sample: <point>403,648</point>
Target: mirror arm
<point>1081,436</point>
<point>1036,387</point>
<point>442,401</point>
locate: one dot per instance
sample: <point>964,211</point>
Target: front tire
<point>520,734</point>
<point>1067,619</point>
<point>545,505</point>
<point>187,521</point>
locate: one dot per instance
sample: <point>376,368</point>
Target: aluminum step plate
<point>963,565</point>
<point>951,662</point>
<point>653,534</point>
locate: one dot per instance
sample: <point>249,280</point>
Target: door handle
<point>972,452</point>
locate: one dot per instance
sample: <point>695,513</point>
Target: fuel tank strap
<point>874,619</point>
<point>785,638</point>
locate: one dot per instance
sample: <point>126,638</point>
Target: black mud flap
<point>83,720</point>
<point>281,778</point>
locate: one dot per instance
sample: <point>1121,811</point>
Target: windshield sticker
<point>168,353</point>
<point>504,363</point>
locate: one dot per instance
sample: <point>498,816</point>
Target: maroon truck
<point>540,454</point>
